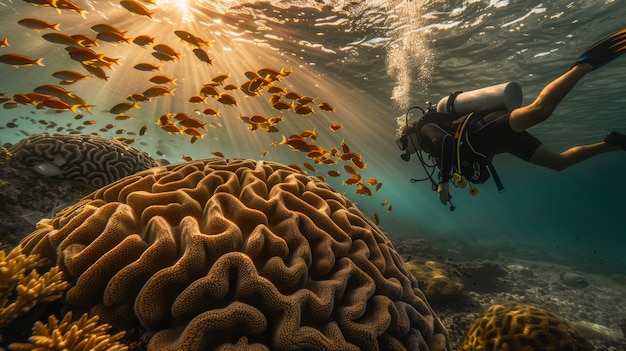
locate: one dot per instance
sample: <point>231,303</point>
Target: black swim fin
<point>616,138</point>
<point>605,50</point>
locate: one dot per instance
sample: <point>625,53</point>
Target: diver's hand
<point>444,192</point>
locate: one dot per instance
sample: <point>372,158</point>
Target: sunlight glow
<point>181,6</point>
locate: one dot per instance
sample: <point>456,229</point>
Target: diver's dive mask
<point>402,143</point>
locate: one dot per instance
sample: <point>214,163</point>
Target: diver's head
<point>407,140</point>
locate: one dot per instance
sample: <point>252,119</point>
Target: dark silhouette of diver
<point>505,131</point>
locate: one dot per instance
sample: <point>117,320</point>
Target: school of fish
<point>263,83</point>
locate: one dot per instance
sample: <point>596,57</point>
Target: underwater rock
<point>440,282</point>
<point>482,276</point>
<point>222,252</point>
<point>573,280</point>
<point>518,327</point>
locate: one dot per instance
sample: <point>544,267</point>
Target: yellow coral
<point>518,327</point>
<point>19,279</point>
<point>83,334</point>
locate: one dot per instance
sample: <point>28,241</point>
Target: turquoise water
<point>371,60</point>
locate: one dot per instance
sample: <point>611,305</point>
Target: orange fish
<point>20,60</point>
<point>96,71</point>
<point>122,117</point>
<point>103,27</point>
<point>326,107</point>
<point>67,5</point>
<point>193,132</point>
<point>230,87</point>
<point>309,166</point>
<point>10,105</point>
<point>166,49</point>
<point>193,123</point>
<point>123,107</point>
<point>281,105</point>
<point>191,39</point>
<point>197,99</point>
<point>227,99</point>
<point>63,39</point>
<point>187,158</point>
<point>59,105</point>
<point>218,154</point>
<point>203,56</point>
<point>136,8</point>
<point>162,79</point>
<point>113,37</point>
<point>4,43</point>
<point>163,57</point>
<point>158,90</point>
<point>376,219</point>
<point>147,67</point>
<point>171,128</point>
<point>335,126</point>
<point>210,90</point>
<point>363,190</point>
<point>211,112</point>
<point>303,109</point>
<point>293,95</point>
<point>350,169</point>
<point>37,24</point>
<point>355,179</point>
<point>22,99</point>
<point>71,76</point>
<point>296,143</point>
<point>181,116</point>
<point>143,40</point>
<point>220,78</point>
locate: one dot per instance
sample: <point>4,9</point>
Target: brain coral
<point>86,158</point>
<point>518,327</point>
<point>238,254</point>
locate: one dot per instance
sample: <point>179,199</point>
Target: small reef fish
<point>326,107</point>
<point>573,280</point>
<point>37,24</point>
<point>166,49</point>
<point>192,39</point>
<point>123,107</point>
<point>60,38</point>
<point>4,43</point>
<point>18,60</point>
<point>158,90</point>
<point>103,27</point>
<point>203,56</point>
<point>335,126</point>
<point>143,40</point>
<point>136,8</point>
<point>162,79</point>
<point>113,37</point>
<point>69,76</point>
<point>67,5</point>
<point>147,67</point>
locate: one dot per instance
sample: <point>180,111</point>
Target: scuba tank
<point>501,97</point>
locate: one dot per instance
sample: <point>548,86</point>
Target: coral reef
<point>440,282</point>
<point>518,327</point>
<point>84,334</point>
<point>22,287</point>
<point>86,158</point>
<point>231,253</point>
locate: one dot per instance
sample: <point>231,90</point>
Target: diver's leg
<point>545,157</point>
<point>539,110</point>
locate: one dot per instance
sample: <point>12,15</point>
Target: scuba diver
<point>462,140</point>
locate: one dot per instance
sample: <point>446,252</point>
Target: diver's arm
<point>442,144</point>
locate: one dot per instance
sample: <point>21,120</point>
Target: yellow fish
<point>20,60</point>
<point>136,8</point>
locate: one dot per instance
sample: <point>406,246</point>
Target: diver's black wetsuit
<point>488,136</point>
